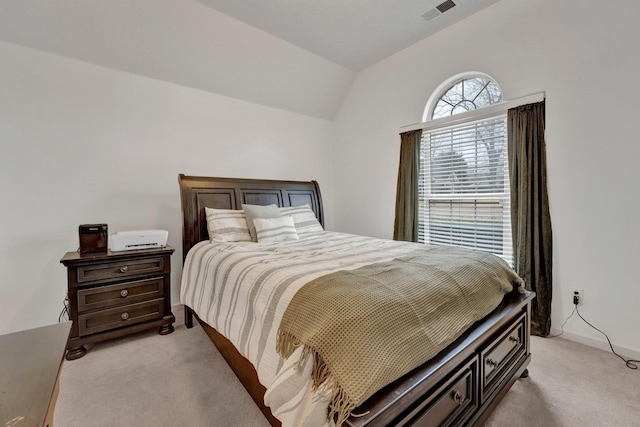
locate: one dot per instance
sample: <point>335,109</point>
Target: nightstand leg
<point>76,352</point>
<point>525,374</point>
<point>166,329</point>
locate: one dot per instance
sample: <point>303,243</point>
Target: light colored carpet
<point>571,385</point>
<point>181,380</point>
<point>150,380</point>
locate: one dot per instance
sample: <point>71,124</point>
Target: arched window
<point>467,95</point>
<point>464,184</point>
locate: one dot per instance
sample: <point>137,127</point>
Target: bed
<point>461,385</point>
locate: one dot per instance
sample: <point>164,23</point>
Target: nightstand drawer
<point>117,270</point>
<point>125,315</point>
<point>123,293</point>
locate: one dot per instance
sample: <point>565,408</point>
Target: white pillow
<point>270,230</point>
<point>303,218</point>
<point>258,211</point>
<point>227,225</point>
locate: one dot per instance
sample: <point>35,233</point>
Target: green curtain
<point>530,218</point>
<point>405,226</point>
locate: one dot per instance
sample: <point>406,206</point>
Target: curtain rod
<point>475,114</point>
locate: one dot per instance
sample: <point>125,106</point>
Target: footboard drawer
<point>450,404</point>
<point>501,355</point>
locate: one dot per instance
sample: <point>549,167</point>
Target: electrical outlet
<point>579,293</point>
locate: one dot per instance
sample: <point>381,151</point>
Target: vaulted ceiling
<point>298,55</point>
<point>352,33</point>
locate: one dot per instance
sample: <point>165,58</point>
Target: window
<point>464,183</point>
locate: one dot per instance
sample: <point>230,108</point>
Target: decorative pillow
<point>278,229</point>
<point>227,225</point>
<point>258,211</point>
<point>303,218</point>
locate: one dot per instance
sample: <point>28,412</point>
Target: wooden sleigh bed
<point>460,386</point>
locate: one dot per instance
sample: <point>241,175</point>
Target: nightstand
<point>114,294</point>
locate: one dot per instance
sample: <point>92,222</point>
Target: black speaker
<point>93,238</point>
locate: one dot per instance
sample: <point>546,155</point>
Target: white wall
<point>584,57</point>
<point>81,143</point>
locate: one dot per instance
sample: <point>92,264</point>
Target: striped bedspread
<point>243,290</point>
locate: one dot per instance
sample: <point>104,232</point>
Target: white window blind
<point>464,187</point>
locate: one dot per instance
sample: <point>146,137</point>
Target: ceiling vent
<point>438,10</point>
<point>444,6</point>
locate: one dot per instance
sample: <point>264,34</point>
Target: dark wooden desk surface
<point>29,365</point>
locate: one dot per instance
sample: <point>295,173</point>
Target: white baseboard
<point>178,311</point>
<point>626,352</point>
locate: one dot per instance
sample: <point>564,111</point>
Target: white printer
<point>136,240</point>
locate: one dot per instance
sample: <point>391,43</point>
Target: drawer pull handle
<point>514,339</point>
<point>457,397</point>
<point>124,269</point>
<point>124,316</point>
<point>124,293</point>
<point>492,363</point>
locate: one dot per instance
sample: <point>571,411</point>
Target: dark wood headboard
<point>198,192</point>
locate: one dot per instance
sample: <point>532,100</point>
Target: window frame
<point>496,111</point>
